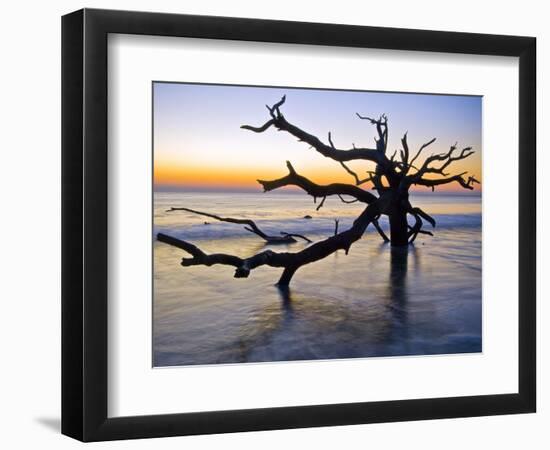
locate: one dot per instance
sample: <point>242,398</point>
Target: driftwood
<point>284,238</point>
<point>391,179</point>
<point>290,262</point>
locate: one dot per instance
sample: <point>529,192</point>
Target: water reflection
<point>303,325</point>
<point>400,272</point>
<point>286,297</point>
<point>397,283</point>
<point>376,301</point>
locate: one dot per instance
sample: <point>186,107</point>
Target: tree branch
<point>251,226</point>
<point>447,159</point>
<point>466,184</point>
<point>420,151</point>
<point>347,201</point>
<point>405,154</point>
<point>358,181</point>
<point>199,257</point>
<point>316,190</point>
<point>261,129</point>
<point>278,121</point>
<point>421,213</point>
<point>380,230</point>
<point>416,229</point>
<point>301,236</point>
<point>382,130</point>
<point>289,261</point>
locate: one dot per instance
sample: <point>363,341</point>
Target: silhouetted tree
<point>391,179</point>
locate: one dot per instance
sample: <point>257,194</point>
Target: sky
<point>198,143</point>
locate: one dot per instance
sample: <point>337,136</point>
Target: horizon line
<point>289,190</point>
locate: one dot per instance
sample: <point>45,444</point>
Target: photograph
<point>267,225</point>
<point>300,224</point>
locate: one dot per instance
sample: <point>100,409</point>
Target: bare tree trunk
<point>287,275</point>
<point>399,233</point>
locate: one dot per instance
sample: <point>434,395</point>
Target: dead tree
<point>391,179</point>
<point>284,238</point>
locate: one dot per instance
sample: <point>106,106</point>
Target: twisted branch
<point>278,121</point>
<point>420,150</point>
<point>251,226</point>
<point>317,190</point>
<point>382,130</point>
<point>380,230</point>
<point>466,184</point>
<point>448,158</point>
<point>291,262</point>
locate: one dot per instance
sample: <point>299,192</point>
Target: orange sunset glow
<point>177,176</point>
<point>198,142</point>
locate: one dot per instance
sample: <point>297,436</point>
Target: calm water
<point>376,301</point>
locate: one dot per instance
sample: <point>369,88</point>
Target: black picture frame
<point>84,224</point>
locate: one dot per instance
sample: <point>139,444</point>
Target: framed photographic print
<point>273,224</point>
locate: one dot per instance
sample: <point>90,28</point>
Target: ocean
<point>374,302</point>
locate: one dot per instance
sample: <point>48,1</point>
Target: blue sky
<point>198,140</point>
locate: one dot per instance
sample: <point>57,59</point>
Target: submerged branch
<point>380,230</point>
<point>423,214</point>
<point>293,235</point>
<point>285,238</point>
<point>416,229</point>
<point>289,261</point>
